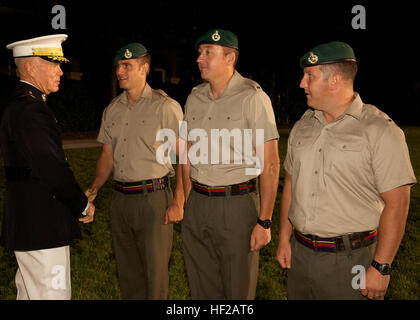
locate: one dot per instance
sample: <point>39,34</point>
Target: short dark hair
<point>145,59</point>
<point>227,50</point>
<point>347,68</point>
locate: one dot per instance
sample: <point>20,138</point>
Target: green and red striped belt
<point>144,186</point>
<point>222,191</point>
<point>357,240</point>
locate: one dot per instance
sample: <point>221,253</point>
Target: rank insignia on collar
<point>44,97</point>
<point>216,36</point>
<point>313,58</point>
<point>128,54</point>
<point>31,94</point>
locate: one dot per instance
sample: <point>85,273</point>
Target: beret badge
<point>216,36</point>
<point>128,54</point>
<point>313,58</point>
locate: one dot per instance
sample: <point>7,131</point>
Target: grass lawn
<point>93,264</point>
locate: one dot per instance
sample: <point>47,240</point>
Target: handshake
<point>90,211</point>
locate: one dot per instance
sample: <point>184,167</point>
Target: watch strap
<point>266,224</point>
<point>383,268</point>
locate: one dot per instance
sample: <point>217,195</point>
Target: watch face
<point>264,223</point>
<point>385,269</point>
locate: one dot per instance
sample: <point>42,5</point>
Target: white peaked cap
<point>47,47</point>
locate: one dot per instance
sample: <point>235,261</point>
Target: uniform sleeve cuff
<point>86,209</point>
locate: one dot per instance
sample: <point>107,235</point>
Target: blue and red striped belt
<point>136,187</point>
<point>222,191</point>
<point>357,240</point>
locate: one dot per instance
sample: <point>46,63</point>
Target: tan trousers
<point>142,243</point>
<point>43,274</point>
<point>326,275</point>
<point>216,232</point>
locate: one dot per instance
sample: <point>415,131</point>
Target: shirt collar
<point>233,83</point>
<point>231,87</point>
<point>146,94</point>
<point>354,110</point>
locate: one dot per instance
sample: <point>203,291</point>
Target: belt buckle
<point>356,241</point>
<point>339,244</point>
<point>233,189</point>
<point>160,183</point>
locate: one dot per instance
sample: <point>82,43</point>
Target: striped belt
<point>221,191</point>
<point>357,240</point>
<point>141,186</point>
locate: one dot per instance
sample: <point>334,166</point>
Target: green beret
<point>130,51</point>
<point>331,52</point>
<point>220,37</point>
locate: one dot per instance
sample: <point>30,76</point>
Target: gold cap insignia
<point>313,58</point>
<point>46,47</point>
<point>128,54</point>
<point>216,36</point>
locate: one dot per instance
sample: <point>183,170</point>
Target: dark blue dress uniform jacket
<point>43,201</point>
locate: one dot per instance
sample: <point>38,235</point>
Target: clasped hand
<point>91,195</point>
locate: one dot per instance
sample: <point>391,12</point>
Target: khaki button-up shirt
<point>339,169</point>
<point>242,105</point>
<point>131,129</point>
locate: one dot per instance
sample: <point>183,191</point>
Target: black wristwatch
<point>266,224</point>
<point>383,268</point>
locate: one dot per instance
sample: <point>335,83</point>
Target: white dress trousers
<point>43,274</point>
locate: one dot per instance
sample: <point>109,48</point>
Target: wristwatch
<point>383,268</point>
<point>266,224</point>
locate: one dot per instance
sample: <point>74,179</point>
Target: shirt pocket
<point>346,156</point>
<point>227,136</point>
<point>195,121</point>
<point>348,147</point>
<point>299,143</point>
<point>305,137</point>
<point>114,128</point>
<point>228,121</point>
<point>300,152</point>
<point>146,130</point>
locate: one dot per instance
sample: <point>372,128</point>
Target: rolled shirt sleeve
<point>173,116</point>
<point>104,135</point>
<point>391,160</point>
<point>262,116</point>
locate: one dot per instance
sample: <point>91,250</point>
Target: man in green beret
<point>347,187</point>
<point>227,217</point>
<point>143,208</point>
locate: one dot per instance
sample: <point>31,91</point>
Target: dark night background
<point>272,38</point>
